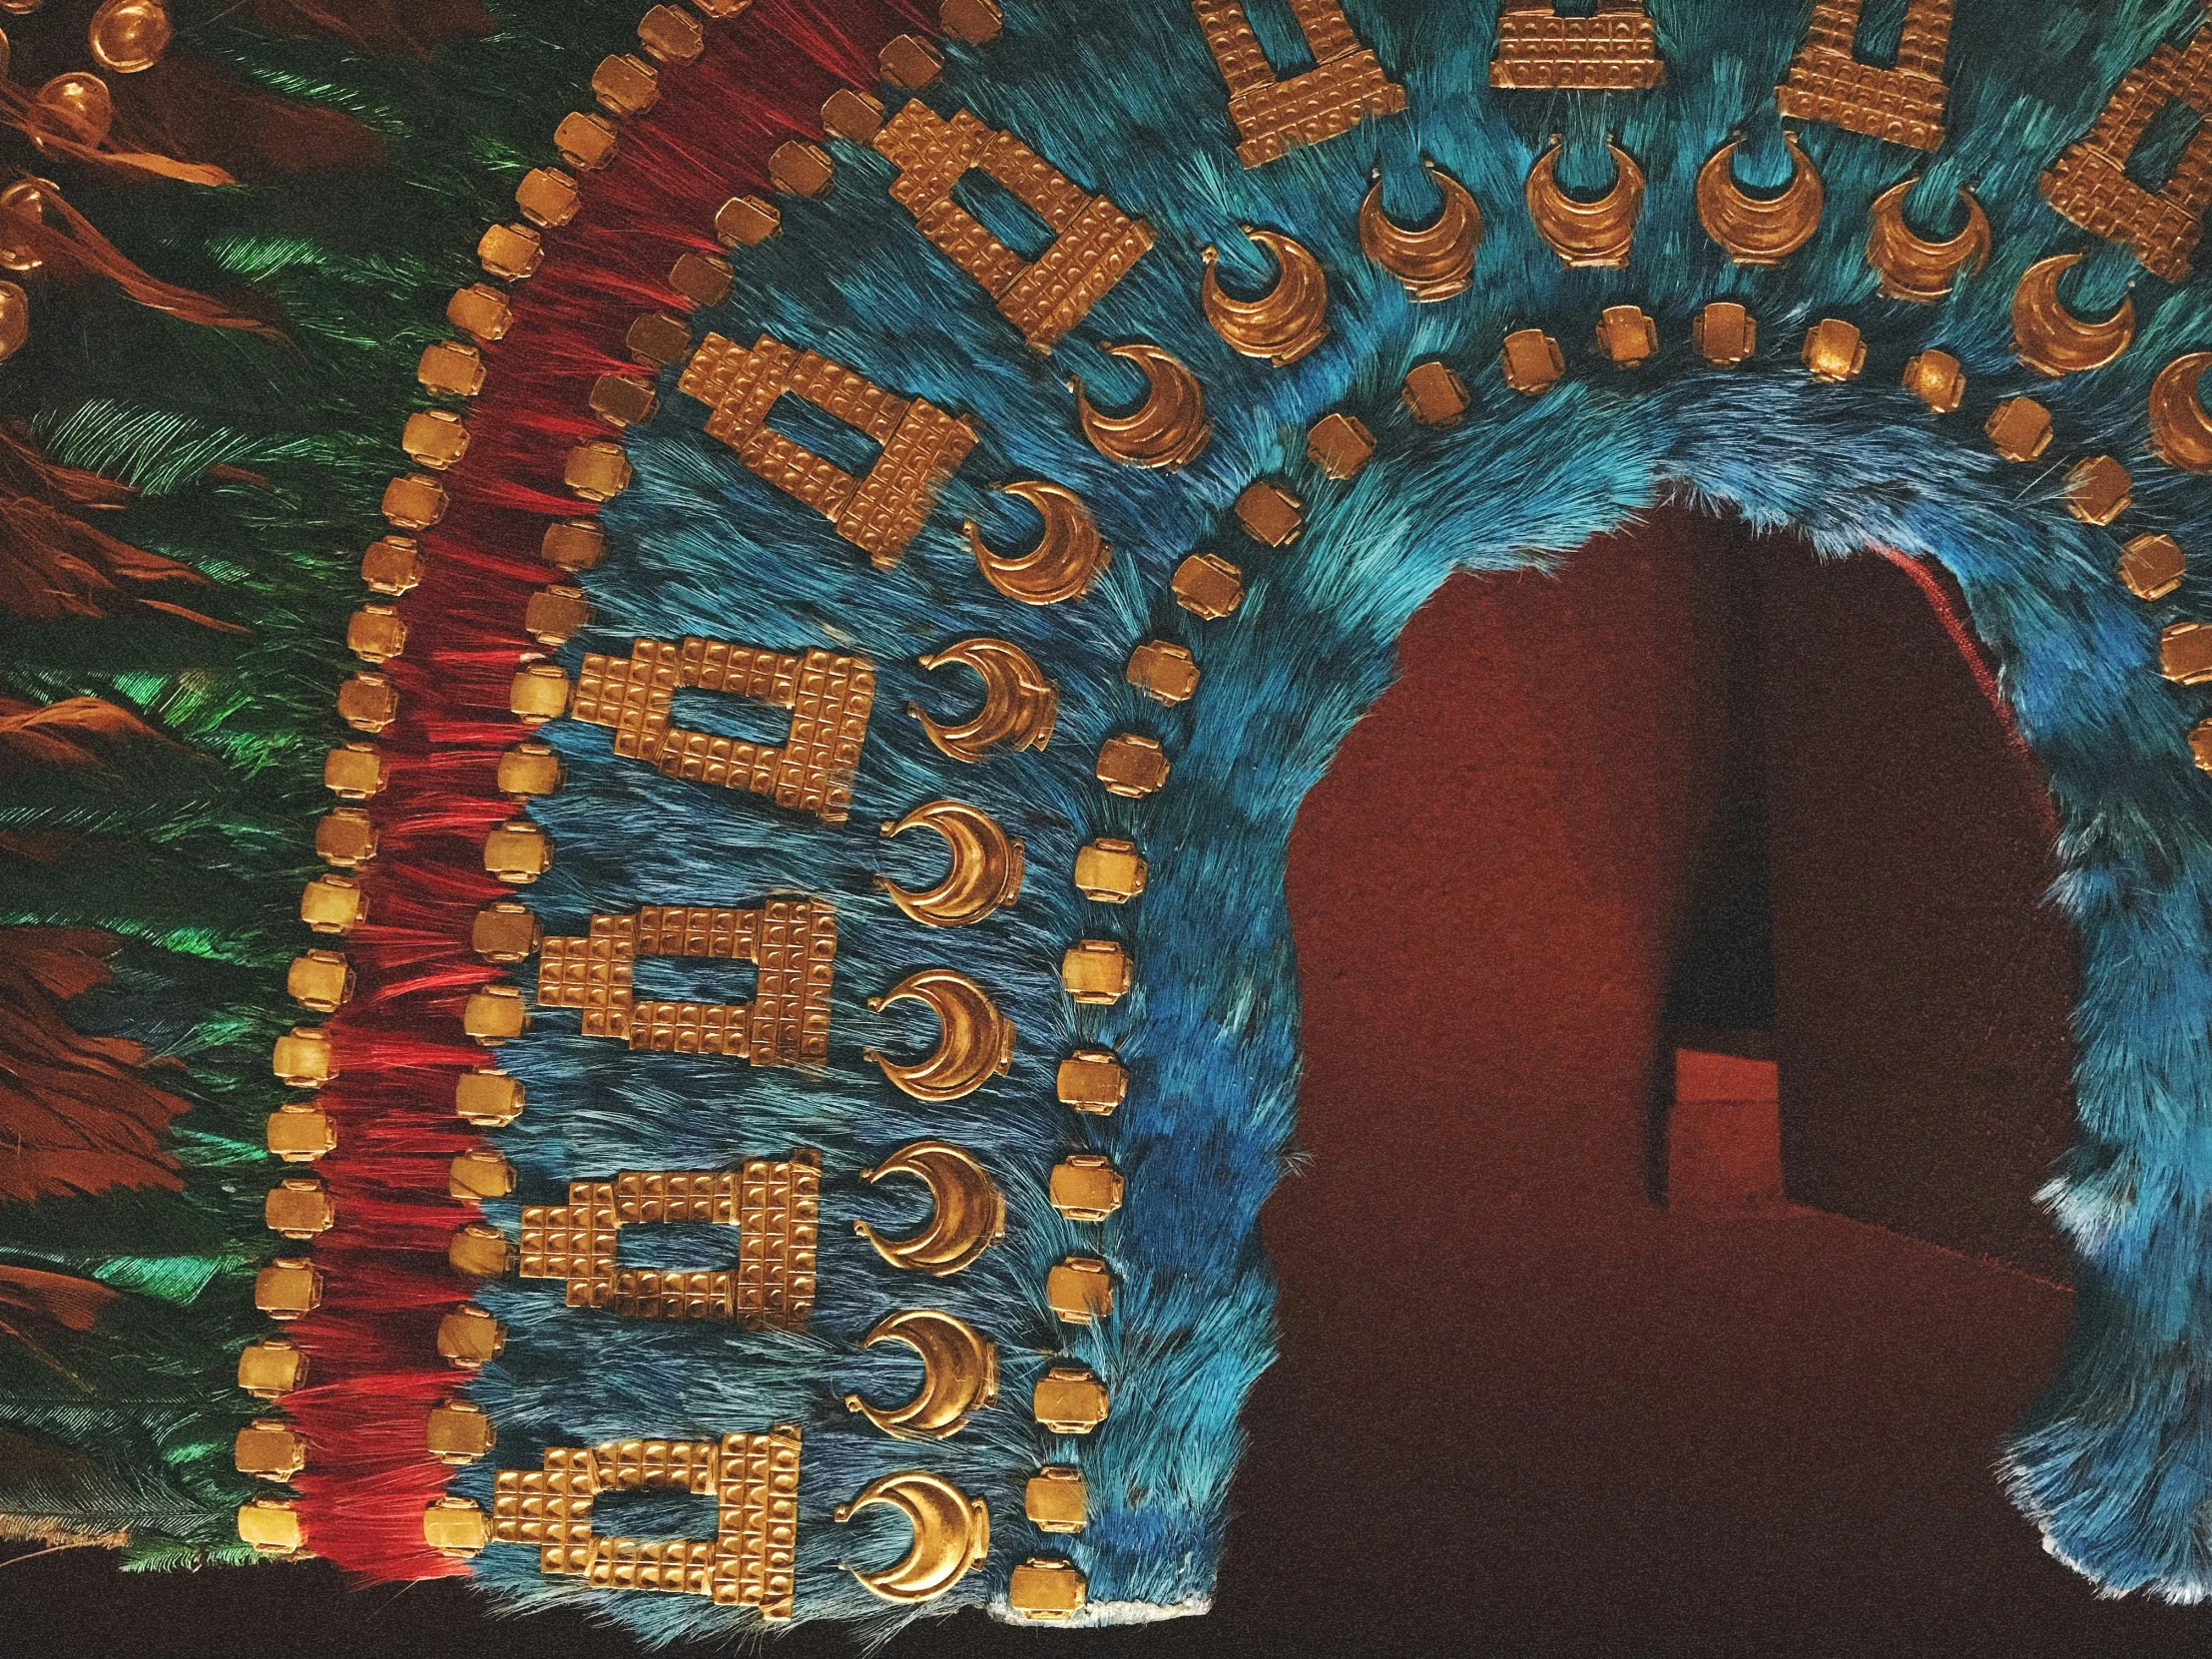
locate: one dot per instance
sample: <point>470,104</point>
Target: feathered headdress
<point>858,522</point>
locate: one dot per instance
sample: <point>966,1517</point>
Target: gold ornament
<point>2050,338</point>
<point>976,1041</point>
<point>967,1211</point>
<point>952,1533</point>
<point>79,106</point>
<point>1901,102</point>
<point>1910,266</point>
<point>1596,233</point>
<point>1168,430</point>
<point>1540,49</point>
<point>1046,1589</point>
<point>2088,183</point>
<point>1286,322</point>
<point>1340,445</point>
<point>128,35</point>
<point>985,872</point>
<point>2180,429</point>
<point>15,320</point>
<point>1435,263</point>
<point>959,1376</point>
<point>1067,557</point>
<point>1019,702</point>
<point>1759,231</point>
<point>1274,115</point>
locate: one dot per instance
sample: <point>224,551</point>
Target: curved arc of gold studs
<point>1067,558</point>
<point>1019,704</point>
<point>1596,233</point>
<point>2180,427</point>
<point>959,1374</point>
<point>1167,430</point>
<point>951,1534</point>
<point>1433,263</point>
<point>2050,338</point>
<point>975,1042</point>
<point>1910,266</point>
<point>1282,325</point>
<point>1754,229</point>
<point>968,1212</point>
<point>985,872</point>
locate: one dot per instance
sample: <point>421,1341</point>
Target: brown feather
<point>63,732</point>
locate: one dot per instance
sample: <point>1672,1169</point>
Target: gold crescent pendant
<point>968,1212</point>
<point>1067,557</point>
<point>2181,431</point>
<point>2050,338</point>
<point>959,1374</point>
<point>1286,322</point>
<point>1168,430</point>
<point>1913,267</point>
<point>986,865</point>
<point>976,1041</point>
<point>1437,262</point>
<point>952,1533</point>
<point>1594,233</point>
<point>1019,702</point>
<point>1759,229</point>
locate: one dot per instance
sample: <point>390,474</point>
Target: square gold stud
<point>538,692</point>
<point>1433,396</point>
<point>2099,490</point>
<point>1069,1399</point>
<point>1626,336</point>
<point>376,634</point>
<point>480,1250</point>
<point>1531,362</point>
<point>2019,427</point>
<point>587,142</point>
<point>747,220</point>
<point>1208,586</point>
<point>1937,379</point>
<point>300,1135</point>
<point>1110,871</point>
<point>2152,566</point>
<point>480,310</point>
<point>553,615</point>
<point>272,1527</point>
<point>1132,765</point>
<point>852,116</point>
<point>597,470</point>
<point>799,168</point>
<point>415,502</point>
<point>434,438</point>
<point>458,1432</point>
<point>2185,653</point>
<point>547,197</point>
<point>1835,351</point>
<point>289,1288</point>
<point>320,981</point>
<point>1340,445</point>
<point>450,369</point>
<point>512,252</point>
<point>488,1099</point>
<point>269,1449</point>
<point>517,853</point>
<point>503,931</point>
<point>624,86</point>
<point>1047,1588</point>
<point>355,770</point>
<point>912,63</point>
<point>975,22</point>
<point>574,544</point>
<point>346,836</point>
<point>657,339</point>
<point>1724,334</point>
<point>1055,1499</point>
<point>1271,513</point>
<point>481,1173</point>
<point>334,905</point>
<point>301,1057</point>
<point>470,1338</point>
<point>702,279</point>
<point>270,1370</point>
<point>456,1527</point>
<point>392,565</point>
<point>1093,1081</point>
<point>1163,671</point>
<point>1085,1187</point>
<point>300,1208</point>
<point>671,35</point>
<point>1097,973</point>
<point>1080,1289</point>
<point>528,769</point>
<point>620,401</point>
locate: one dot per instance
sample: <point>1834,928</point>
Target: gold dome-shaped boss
<point>128,35</point>
<point>15,320</point>
<point>79,104</point>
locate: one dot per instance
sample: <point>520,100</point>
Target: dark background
<point>1521,1407</point>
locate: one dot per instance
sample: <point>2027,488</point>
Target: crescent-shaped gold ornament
<point>959,1374</point>
<point>1286,322</point>
<point>976,1041</point>
<point>952,1533</point>
<point>1759,229</point>
<point>2181,431</point>
<point>1067,557</point>
<point>1168,430</point>
<point>1593,234</point>
<point>1435,263</point>
<point>967,1211</point>
<point>1019,702</point>
<point>1910,266</point>
<point>985,872</point>
<point>2050,338</point>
